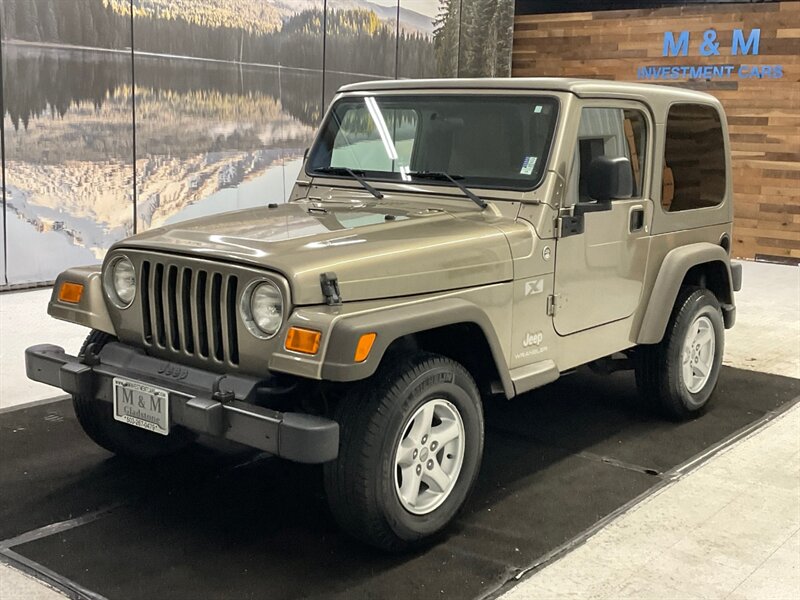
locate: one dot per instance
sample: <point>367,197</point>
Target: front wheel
<point>680,373</point>
<point>410,451</point>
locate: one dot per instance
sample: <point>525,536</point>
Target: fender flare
<point>91,310</point>
<point>675,266</point>
<point>395,322</point>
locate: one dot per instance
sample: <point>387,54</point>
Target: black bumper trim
<point>736,276</point>
<point>728,315</point>
<point>295,436</point>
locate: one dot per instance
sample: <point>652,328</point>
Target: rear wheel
<point>680,373</point>
<point>97,420</point>
<point>410,451</point>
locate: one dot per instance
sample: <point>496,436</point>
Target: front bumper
<point>193,399</point>
<point>736,276</point>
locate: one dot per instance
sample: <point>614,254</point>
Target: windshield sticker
<point>538,108</point>
<point>527,165</point>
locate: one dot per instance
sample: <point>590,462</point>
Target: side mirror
<point>609,179</point>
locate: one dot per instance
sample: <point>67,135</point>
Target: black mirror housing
<point>610,178</point>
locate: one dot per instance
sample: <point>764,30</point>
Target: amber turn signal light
<point>303,340</point>
<point>70,292</point>
<point>364,346</point>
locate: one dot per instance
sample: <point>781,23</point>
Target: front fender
<point>671,275</point>
<point>91,310</point>
<point>395,322</point>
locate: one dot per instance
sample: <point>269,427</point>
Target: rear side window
<point>694,158</point>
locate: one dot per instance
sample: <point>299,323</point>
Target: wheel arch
<point>447,326</point>
<point>464,342</point>
<point>702,264</point>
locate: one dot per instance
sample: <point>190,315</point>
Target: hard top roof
<point>586,88</point>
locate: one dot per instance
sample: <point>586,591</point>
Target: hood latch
<point>330,289</point>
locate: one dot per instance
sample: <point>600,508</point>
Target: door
<point>600,269</point>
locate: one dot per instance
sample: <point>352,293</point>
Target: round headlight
<point>262,309</point>
<point>120,282</point>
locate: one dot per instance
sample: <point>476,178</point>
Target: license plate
<point>141,405</point>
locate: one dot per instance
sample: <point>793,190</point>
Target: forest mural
<point>122,115</point>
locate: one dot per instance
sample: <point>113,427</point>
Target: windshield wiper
<point>354,174</point>
<point>454,180</point>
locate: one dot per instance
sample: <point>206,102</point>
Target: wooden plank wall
<point>763,114</point>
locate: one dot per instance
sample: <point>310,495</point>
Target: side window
<point>359,140</point>
<point>694,158</point>
<point>612,132</point>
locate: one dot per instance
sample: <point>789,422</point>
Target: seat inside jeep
<point>490,140</point>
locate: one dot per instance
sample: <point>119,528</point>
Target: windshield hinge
<point>567,225</point>
<point>330,288</point>
<point>552,304</point>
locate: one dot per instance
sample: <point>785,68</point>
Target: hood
<point>377,250</point>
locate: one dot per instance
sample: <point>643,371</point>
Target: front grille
<point>190,311</point>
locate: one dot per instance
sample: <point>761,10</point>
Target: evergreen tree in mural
<point>415,57</point>
<point>471,37</point>
<point>445,37</point>
<point>485,37</point>
<point>90,23</point>
<point>359,41</point>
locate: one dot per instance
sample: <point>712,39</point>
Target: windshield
<point>486,141</point>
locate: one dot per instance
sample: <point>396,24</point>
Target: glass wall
<point>123,115</point>
<point>68,134</point>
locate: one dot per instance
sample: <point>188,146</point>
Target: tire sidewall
<point>451,384</point>
<point>699,303</point>
<point>97,419</point>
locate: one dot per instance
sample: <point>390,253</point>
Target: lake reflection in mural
<point>202,129</point>
<point>208,107</point>
<point>68,157</point>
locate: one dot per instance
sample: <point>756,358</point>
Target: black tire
<point>659,373</point>
<point>373,417</point>
<point>97,420</point>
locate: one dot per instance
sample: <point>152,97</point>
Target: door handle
<point>636,219</point>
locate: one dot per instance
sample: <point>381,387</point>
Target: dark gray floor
<point>226,523</point>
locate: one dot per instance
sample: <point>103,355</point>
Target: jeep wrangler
<point>447,242</point>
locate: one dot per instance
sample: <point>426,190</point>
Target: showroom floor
<point>601,501</point>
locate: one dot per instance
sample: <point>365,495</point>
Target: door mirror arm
<point>571,221</point>
<point>581,208</point>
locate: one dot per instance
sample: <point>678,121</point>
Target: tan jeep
<point>450,242</point>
